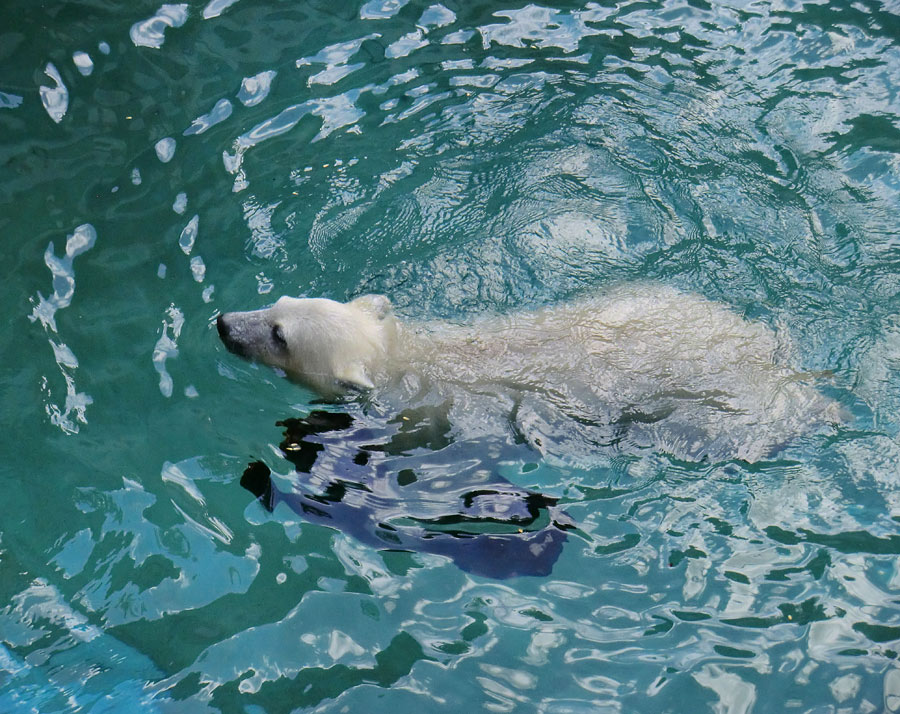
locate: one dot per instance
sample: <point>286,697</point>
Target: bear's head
<point>329,346</point>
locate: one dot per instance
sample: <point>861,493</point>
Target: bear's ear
<point>354,377</point>
<point>378,305</point>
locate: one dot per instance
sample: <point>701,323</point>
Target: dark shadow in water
<point>405,485</point>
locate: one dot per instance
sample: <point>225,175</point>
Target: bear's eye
<point>278,336</point>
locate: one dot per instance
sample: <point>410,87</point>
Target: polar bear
<point>641,366</point>
<point>328,346</point>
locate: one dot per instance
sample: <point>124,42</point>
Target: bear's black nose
<point>222,327</point>
<point>225,334</point>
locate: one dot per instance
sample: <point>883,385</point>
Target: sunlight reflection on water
<point>462,159</point>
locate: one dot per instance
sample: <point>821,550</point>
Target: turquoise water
<point>160,164</point>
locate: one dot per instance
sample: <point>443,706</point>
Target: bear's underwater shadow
<point>405,485</point>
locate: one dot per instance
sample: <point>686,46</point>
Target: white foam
<point>9,101</point>
<point>180,203</point>
<point>83,62</point>
<point>256,88</point>
<point>166,347</point>
<point>81,240</point>
<point>219,113</point>
<point>189,235</point>
<point>216,7</point>
<point>55,99</point>
<point>381,9</point>
<point>151,32</point>
<point>165,149</point>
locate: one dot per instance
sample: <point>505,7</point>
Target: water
<point>161,163</point>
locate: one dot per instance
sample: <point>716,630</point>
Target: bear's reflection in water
<point>405,485</point>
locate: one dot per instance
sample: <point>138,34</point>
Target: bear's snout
<point>222,327</point>
<point>225,334</point>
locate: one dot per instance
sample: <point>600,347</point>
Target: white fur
<point>642,366</point>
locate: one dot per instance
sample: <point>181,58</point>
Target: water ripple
<point>256,88</point>
<point>463,159</point>
<point>216,7</point>
<point>216,115</point>
<point>151,32</point>
<point>56,98</point>
<point>80,241</point>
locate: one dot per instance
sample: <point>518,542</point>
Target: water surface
<point>162,163</point>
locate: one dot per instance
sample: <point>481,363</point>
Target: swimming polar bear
<point>642,366</point>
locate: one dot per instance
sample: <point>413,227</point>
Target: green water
<point>460,158</point>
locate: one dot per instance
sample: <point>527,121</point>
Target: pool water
<point>161,163</point>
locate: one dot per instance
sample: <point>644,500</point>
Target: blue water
<point>162,163</point>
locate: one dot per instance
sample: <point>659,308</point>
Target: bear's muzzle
<point>227,335</point>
